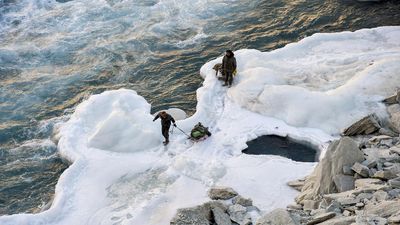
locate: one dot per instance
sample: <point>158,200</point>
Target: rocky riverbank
<point>357,182</point>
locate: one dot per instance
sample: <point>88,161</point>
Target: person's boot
<point>166,142</point>
<point>226,84</point>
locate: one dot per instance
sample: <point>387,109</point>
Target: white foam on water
<point>310,90</point>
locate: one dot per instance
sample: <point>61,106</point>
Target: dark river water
<point>54,54</point>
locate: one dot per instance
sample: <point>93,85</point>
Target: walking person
<point>228,67</point>
<point>166,120</point>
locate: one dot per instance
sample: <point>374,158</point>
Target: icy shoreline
<point>122,174</point>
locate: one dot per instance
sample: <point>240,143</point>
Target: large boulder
<point>366,125</point>
<point>394,113</point>
<point>343,152</point>
<point>276,217</point>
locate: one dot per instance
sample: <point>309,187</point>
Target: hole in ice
<point>283,146</point>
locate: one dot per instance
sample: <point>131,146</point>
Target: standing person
<point>166,120</point>
<point>228,67</point>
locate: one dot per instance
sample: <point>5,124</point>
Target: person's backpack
<point>199,131</point>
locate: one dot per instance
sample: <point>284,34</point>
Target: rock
<point>340,221</point>
<point>346,213</point>
<point>360,205</point>
<point>347,201</point>
<point>388,132</point>
<point>394,219</point>
<point>310,204</point>
<point>380,196</point>
<point>197,215</point>
<point>242,201</point>
<point>394,193</point>
<point>384,175</point>
<point>334,207</point>
<point>383,209</point>
<point>321,218</point>
<point>378,139</point>
<point>394,116</point>
<point>394,169</point>
<point>367,182</point>
<point>238,214</point>
<point>366,125</point>
<point>360,169</point>
<point>378,155</point>
<point>370,219</point>
<point>348,171</point>
<point>394,183</point>
<point>343,182</point>
<point>223,193</point>
<point>363,196</point>
<point>276,217</point>
<point>294,207</point>
<point>220,216</point>
<point>343,152</point>
<point>369,163</point>
<point>394,99</point>
<point>297,184</point>
<point>395,150</point>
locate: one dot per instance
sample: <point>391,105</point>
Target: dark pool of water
<point>283,146</point>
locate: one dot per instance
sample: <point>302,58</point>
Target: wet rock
<point>238,214</point>
<point>343,182</point>
<point>360,169</point>
<point>366,125</point>
<point>276,217</point>
<point>383,209</point>
<point>223,193</point>
<point>242,201</point>
<point>321,218</point>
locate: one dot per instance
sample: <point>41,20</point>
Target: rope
<point>183,131</point>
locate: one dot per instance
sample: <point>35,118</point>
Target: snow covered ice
<point>310,90</point>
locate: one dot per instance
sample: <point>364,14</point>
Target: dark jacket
<point>229,64</point>
<point>165,122</point>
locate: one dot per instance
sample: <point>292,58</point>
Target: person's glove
<point>174,125</point>
<point>234,72</point>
